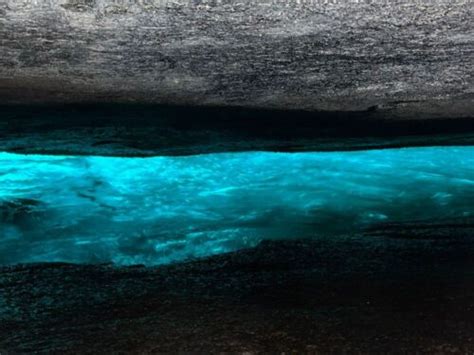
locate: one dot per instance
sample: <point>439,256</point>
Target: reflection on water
<point>158,210</point>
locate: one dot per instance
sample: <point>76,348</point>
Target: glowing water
<point>156,210</point>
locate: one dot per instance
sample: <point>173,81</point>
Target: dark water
<point>164,209</point>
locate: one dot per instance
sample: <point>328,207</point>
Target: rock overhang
<point>379,65</point>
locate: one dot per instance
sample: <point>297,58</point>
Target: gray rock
<point>407,59</point>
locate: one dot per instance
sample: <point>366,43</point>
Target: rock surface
<point>407,59</point>
<point>398,288</point>
<point>141,130</point>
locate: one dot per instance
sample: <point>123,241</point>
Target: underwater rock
<point>20,211</point>
<point>349,294</point>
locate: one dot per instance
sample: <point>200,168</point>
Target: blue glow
<point>163,209</point>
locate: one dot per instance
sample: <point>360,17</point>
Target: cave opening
<point>250,177</point>
<point>159,210</point>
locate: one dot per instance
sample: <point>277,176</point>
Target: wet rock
<point>352,293</point>
<point>149,130</point>
<point>19,211</point>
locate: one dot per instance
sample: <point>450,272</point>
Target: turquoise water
<point>164,209</point>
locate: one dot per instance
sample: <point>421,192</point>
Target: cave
<point>244,177</point>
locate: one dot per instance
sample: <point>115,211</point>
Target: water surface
<point>164,209</point>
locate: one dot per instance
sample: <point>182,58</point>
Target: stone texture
<point>399,288</point>
<point>407,59</point>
